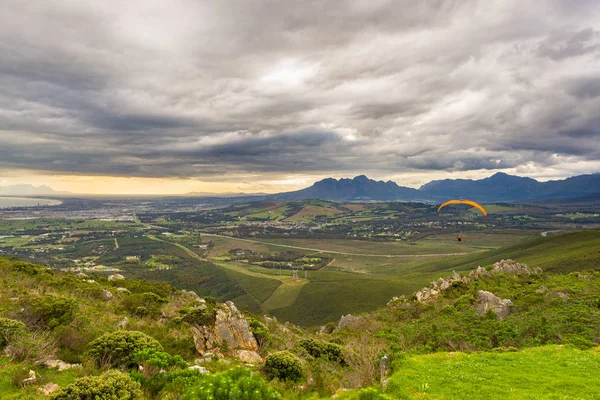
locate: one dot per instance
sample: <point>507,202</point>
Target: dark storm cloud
<point>195,89</point>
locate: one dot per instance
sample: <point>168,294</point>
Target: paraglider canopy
<point>469,202</point>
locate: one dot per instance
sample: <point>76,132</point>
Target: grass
<point>559,253</point>
<point>309,212</point>
<point>331,294</point>
<point>363,247</point>
<point>46,375</point>
<point>551,372</point>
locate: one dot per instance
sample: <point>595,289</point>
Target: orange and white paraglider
<point>469,202</point>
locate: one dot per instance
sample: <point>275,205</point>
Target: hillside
<point>488,318</point>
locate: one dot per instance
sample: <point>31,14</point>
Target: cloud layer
<point>207,89</point>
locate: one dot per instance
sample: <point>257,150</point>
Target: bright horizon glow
<point>112,185</point>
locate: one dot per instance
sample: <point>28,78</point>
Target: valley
<point>306,261</point>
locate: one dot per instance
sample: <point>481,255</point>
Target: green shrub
<point>143,304</point>
<point>27,268</point>
<point>72,343</point>
<point>199,316</point>
<point>49,312</point>
<point>119,348</point>
<point>284,366</point>
<point>154,360</point>
<point>259,330</point>
<point>9,329</point>
<point>233,384</point>
<point>111,385</point>
<point>318,348</point>
<point>32,346</point>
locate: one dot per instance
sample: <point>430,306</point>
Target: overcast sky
<point>183,95</point>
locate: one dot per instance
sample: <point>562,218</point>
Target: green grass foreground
<point>549,372</point>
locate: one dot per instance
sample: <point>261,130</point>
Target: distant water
<point>6,202</point>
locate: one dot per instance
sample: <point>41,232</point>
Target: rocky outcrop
<point>107,294</point>
<point>230,330</point>
<point>116,277</point>
<point>346,320</point>
<point>488,301</point>
<point>503,266</point>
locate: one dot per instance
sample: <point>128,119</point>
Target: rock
<point>31,380</point>
<point>426,293</point>
<point>107,294</point>
<point>489,301</point>
<point>230,327</point>
<point>345,320</point>
<point>200,369</point>
<point>48,389</point>
<point>91,281</point>
<point>511,267</point>
<point>122,324</point>
<point>124,290</point>
<point>248,356</point>
<point>478,273</point>
<point>82,275</point>
<point>562,295</point>
<point>542,289</point>
<point>116,277</point>
<point>61,365</point>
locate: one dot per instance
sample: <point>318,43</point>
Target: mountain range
<point>498,187</point>
<point>29,190</point>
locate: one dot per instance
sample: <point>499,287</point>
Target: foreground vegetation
<point>135,339</point>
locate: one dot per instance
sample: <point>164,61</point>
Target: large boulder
<point>346,320</point>
<point>489,301</point>
<point>230,327</point>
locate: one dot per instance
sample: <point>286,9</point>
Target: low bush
<point>9,329</point>
<point>111,385</point>
<point>119,348</point>
<point>34,346</point>
<point>199,316</point>
<point>232,384</point>
<point>144,304</point>
<point>49,312</point>
<point>260,331</point>
<point>284,366</point>
<point>318,348</point>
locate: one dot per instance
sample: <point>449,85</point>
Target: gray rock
<point>31,380</point>
<point>249,356</point>
<point>124,290</point>
<point>230,326</point>
<point>107,294</point>
<point>346,320</point>
<point>200,369</point>
<point>61,365</point>
<point>116,277</point>
<point>48,389</point>
<point>489,301</point>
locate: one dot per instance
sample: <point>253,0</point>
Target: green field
<point>551,372</point>
<point>560,253</point>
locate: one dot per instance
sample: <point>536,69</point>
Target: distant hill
<point>29,190</point>
<point>359,188</point>
<point>499,187</point>
<point>504,187</point>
